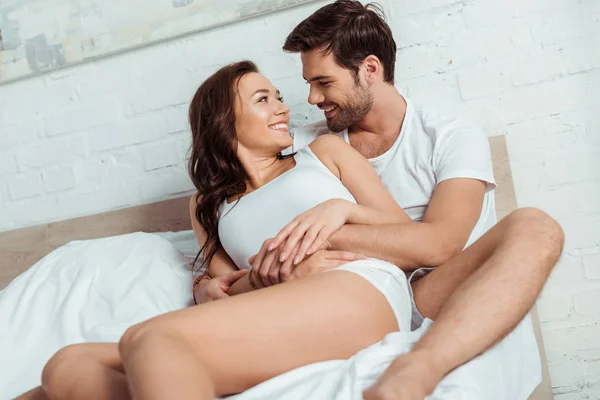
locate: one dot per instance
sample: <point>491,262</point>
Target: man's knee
<point>539,228</point>
<point>538,221</point>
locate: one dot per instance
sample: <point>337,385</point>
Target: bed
<point>20,249</point>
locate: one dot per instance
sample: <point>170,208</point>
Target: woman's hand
<point>267,270</point>
<point>277,272</point>
<point>216,288</point>
<point>306,234</point>
<point>309,231</point>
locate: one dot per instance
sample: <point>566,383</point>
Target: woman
<point>248,193</point>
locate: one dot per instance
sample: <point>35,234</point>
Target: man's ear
<point>373,69</point>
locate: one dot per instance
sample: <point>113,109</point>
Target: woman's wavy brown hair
<point>213,166</point>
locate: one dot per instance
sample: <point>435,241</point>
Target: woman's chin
<point>283,147</point>
<point>281,140</point>
<point>286,142</point>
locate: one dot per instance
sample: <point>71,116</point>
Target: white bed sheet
<point>509,371</point>
<point>92,291</point>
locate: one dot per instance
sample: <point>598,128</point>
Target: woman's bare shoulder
<point>326,145</point>
<point>327,148</point>
<point>329,139</point>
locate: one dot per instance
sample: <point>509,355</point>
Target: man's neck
<point>386,115</point>
<point>378,131</point>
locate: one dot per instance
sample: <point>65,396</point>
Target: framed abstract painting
<point>42,35</point>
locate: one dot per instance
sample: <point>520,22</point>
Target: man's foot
<point>409,377</point>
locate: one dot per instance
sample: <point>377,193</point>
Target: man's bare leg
<point>34,394</point>
<point>476,298</point>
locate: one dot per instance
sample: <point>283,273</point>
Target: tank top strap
<point>306,156</point>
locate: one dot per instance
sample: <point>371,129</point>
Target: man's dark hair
<point>349,30</point>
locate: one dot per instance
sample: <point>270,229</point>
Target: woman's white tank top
<point>245,224</point>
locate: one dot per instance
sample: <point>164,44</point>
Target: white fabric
<point>91,291</point>
<point>391,282</point>
<point>429,150</point>
<point>260,215</point>
<point>88,291</point>
<point>502,373</point>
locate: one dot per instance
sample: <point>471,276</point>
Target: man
<point>440,172</point>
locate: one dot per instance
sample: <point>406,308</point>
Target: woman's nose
<point>282,109</point>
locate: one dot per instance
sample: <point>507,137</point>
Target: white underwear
<point>391,282</point>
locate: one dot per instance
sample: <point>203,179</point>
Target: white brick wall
<point>57,179</point>
<point>22,186</point>
<point>113,133</point>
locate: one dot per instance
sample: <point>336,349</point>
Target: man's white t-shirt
<point>429,149</point>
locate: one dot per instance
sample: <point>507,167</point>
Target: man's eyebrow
<point>317,78</point>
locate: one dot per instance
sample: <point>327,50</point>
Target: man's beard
<point>355,109</point>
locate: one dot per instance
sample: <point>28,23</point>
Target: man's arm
<point>454,210</point>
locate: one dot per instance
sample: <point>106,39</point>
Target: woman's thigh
<point>249,338</point>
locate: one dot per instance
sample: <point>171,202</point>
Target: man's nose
<point>315,96</point>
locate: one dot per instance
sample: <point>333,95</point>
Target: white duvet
<point>92,291</point>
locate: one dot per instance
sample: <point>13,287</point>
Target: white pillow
<point>87,291</point>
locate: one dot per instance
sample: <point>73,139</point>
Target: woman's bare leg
<point>163,366</point>
<point>238,342</point>
<point>82,371</point>
<point>230,345</point>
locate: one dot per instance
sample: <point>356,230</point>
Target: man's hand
<point>267,267</point>
<point>323,260</point>
<point>216,288</point>
<point>309,231</point>
<point>305,235</point>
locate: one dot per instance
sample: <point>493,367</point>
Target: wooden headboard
<point>20,249</point>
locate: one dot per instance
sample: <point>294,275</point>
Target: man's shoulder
<point>441,127</point>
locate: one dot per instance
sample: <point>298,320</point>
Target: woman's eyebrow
<point>277,92</point>
<point>261,91</point>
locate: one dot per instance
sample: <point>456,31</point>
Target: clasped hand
<point>302,247</point>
